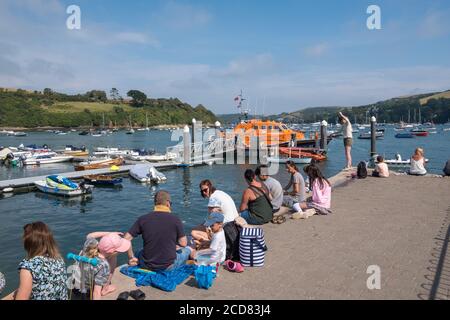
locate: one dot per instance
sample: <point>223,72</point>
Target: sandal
<point>281,219</point>
<point>123,295</point>
<point>137,294</point>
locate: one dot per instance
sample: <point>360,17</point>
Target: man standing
<point>348,139</point>
<point>165,243</point>
<point>273,185</point>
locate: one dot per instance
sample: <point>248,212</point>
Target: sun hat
<point>214,217</point>
<point>214,203</point>
<point>112,242</point>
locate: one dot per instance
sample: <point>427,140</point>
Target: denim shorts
<point>248,217</point>
<point>181,258</point>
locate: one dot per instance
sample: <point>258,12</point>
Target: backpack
<point>361,171</point>
<point>232,232</point>
<point>252,247</point>
<point>447,168</point>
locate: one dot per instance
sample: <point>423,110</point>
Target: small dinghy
<point>146,173</point>
<point>98,164</point>
<point>368,135</point>
<point>284,160</point>
<point>404,135</point>
<point>399,162</point>
<point>102,180</point>
<point>62,186</point>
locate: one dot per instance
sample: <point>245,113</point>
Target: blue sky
<point>285,55</point>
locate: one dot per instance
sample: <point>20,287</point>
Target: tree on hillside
<point>48,92</point>
<point>139,98</point>
<point>96,95</point>
<point>115,96</point>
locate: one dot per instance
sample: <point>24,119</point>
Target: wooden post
<point>187,145</point>
<point>323,134</point>
<point>373,136</point>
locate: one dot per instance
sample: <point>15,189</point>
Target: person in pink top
<point>320,202</point>
<point>381,169</point>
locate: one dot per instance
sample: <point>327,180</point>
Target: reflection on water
<point>186,186</point>
<point>81,201</point>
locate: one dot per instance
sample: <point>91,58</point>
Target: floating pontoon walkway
<point>28,182</point>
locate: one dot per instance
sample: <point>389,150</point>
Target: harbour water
<point>116,209</point>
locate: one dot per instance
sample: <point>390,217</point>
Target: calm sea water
<point>116,209</point>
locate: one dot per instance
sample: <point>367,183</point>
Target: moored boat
<point>102,180</point>
<point>295,152</point>
<point>419,132</point>
<point>368,135</point>
<point>404,135</point>
<point>98,164</point>
<point>146,173</point>
<point>62,186</point>
<point>286,159</point>
<point>268,132</point>
<point>46,158</point>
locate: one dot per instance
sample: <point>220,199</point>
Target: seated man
<point>273,185</point>
<point>165,244</point>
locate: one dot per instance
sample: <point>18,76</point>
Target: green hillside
<point>433,107</point>
<point>22,108</point>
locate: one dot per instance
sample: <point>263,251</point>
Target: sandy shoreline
<point>391,223</point>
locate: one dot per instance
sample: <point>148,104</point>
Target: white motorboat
<point>46,158</point>
<point>399,162</point>
<point>161,157</point>
<point>146,173</point>
<point>284,160</point>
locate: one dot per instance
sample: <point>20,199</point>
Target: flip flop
<point>123,295</point>
<point>281,219</point>
<point>137,294</point>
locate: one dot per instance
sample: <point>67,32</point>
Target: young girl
<point>381,168</point>
<point>105,251</point>
<point>321,192</point>
<point>43,272</point>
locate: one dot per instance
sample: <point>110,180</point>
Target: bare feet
<point>108,289</point>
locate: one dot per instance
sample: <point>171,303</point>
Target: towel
<point>164,280</point>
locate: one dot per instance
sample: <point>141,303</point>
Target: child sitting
<point>381,168</point>
<point>214,225</point>
<point>105,251</point>
<point>200,235</point>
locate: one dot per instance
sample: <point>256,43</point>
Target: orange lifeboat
<point>269,132</point>
<point>314,154</point>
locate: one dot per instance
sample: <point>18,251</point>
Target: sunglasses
<point>205,190</point>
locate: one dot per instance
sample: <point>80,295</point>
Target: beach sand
<point>393,223</point>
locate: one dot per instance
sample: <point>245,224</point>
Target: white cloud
<point>138,38</point>
<point>183,16</point>
<point>317,50</point>
<point>435,24</point>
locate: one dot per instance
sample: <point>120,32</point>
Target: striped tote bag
<point>252,247</point>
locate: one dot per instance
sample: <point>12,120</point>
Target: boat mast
<point>242,112</point>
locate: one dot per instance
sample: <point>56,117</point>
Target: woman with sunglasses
<point>218,201</point>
